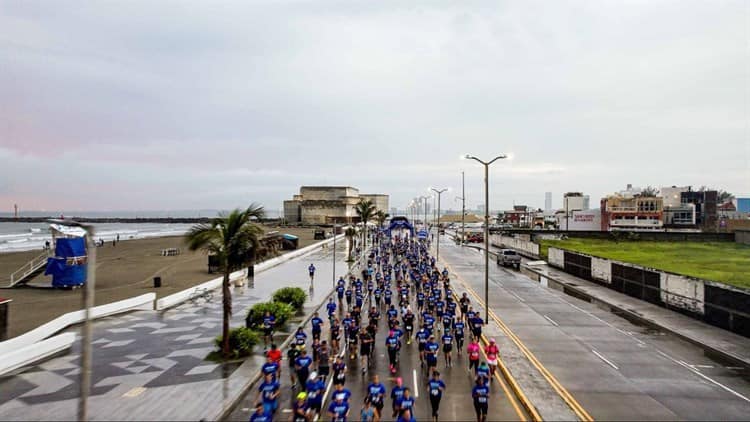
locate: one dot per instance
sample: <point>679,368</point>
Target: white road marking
<point>552,321</point>
<point>696,372</point>
<point>520,299</point>
<point>286,411</point>
<point>736,368</point>
<point>416,384</point>
<point>703,366</point>
<point>137,391</point>
<point>627,333</point>
<point>605,360</point>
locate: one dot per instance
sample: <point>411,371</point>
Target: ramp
<point>30,270</point>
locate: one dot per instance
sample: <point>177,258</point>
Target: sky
<point>144,105</point>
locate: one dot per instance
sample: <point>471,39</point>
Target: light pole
<point>439,192</point>
<point>88,303</point>
<point>463,209</point>
<point>424,201</point>
<point>334,255</point>
<point>486,230</point>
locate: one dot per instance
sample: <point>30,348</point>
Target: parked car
<point>509,257</point>
<point>475,238</point>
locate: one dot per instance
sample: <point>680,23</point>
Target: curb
<point>234,402</point>
<point>630,315</point>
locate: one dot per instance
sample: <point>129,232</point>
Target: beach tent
<point>68,266</point>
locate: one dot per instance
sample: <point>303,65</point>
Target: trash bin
<point>157,281</point>
<point>4,305</point>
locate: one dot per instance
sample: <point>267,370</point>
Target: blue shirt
<point>458,327</point>
<point>483,371</point>
<point>392,342</point>
<point>260,417</point>
<point>316,323</point>
<point>269,321</point>
<point>339,409</point>
<point>376,392</point>
<point>304,361</point>
<point>447,339</point>
<point>315,389</point>
<point>422,335</point>
<point>331,308</point>
<point>432,348</point>
<point>268,389</point>
<point>480,393</point>
<point>270,368</point>
<point>435,387</point>
<point>407,404</point>
<point>344,394</point>
<point>397,393</point>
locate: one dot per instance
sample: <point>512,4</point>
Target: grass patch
<point>724,262</point>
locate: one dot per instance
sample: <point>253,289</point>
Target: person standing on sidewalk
<point>436,387</point>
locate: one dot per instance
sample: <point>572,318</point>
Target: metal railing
<point>29,268</point>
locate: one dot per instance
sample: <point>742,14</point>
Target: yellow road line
<point>562,391</point>
<point>513,385</point>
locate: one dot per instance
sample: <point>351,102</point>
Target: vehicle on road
<point>475,238</point>
<point>508,258</point>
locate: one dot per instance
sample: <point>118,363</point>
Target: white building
<point>580,220</point>
<point>548,201</point>
<point>575,201</point>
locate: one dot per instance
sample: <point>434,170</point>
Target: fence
<point>715,303</point>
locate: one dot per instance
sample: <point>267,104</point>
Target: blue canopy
<point>422,234</point>
<point>68,247</point>
<point>290,237</point>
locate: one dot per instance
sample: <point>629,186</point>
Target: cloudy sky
<point>157,105</point>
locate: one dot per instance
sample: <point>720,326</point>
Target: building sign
<point>583,218</point>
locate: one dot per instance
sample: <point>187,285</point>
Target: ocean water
<point>16,237</point>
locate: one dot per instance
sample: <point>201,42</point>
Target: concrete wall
<point>682,292</point>
<point>556,257</point>
<point>315,212</point>
<point>379,200</point>
<point>601,269</point>
<point>517,243</point>
<point>742,236</point>
<point>715,303</point>
<point>292,211</point>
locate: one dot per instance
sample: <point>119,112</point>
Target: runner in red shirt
<point>492,352</point>
<point>275,355</point>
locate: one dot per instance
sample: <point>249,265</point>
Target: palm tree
<point>234,238</point>
<point>380,217</point>
<point>350,232</point>
<point>366,210</point>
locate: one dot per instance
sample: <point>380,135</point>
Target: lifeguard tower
<point>68,263</point>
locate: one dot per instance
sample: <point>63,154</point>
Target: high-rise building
<point>547,201</point>
<point>575,201</point>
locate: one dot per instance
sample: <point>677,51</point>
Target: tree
<point>649,192</point>
<point>234,238</point>
<point>350,232</point>
<point>366,211</point>
<point>380,217</point>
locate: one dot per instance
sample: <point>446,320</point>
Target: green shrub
<point>282,312</point>
<point>291,295</point>
<point>241,342</point>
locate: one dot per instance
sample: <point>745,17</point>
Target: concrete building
<point>328,204</point>
<point>575,201</point>
<point>706,202</point>
<point>547,201</point>
<point>629,210</point>
<point>580,220</point>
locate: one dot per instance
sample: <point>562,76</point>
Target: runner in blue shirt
<point>422,336</point>
<point>397,393</point>
<point>340,292</point>
<point>311,270</point>
<point>338,410</point>
<point>447,341</point>
<point>376,394</point>
<point>341,393</point>
<point>407,403</point>
<point>300,337</point>
<point>270,368</point>
<point>316,322</point>
<point>481,395</point>
<point>458,332</point>
<point>315,388</point>
<point>435,387</point>
<point>302,365</point>
<point>269,321</point>
<point>431,352</point>
<point>331,308</point>
<point>269,391</point>
<point>260,414</point>
<point>388,294</point>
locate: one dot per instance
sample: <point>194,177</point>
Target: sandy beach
<point>122,271</point>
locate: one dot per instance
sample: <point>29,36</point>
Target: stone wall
<point>682,292</point>
<point>326,193</point>
<point>742,236</point>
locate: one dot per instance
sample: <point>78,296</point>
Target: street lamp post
<point>463,209</point>
<point>334,255</point>
<point>424,201</point>
<point>486,230</point>
<point>439,192</point>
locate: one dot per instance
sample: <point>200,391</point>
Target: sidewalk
<point>150,365</point>
<point>721,342</point>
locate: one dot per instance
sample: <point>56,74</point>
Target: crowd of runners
<point>403,293</point>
